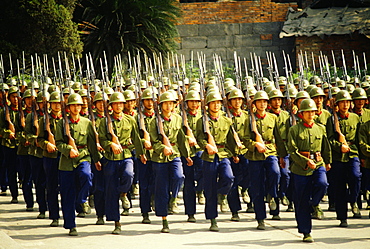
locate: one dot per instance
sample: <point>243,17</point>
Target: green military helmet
<point>366,78</point>
<point>74,99</point>
<point>342,95</point>
<point>302,95</point>
<point>84,81</point>
<point>292,91</point>
<point>147,93</point>
<point>275,94</point>
<point>251,91</point>
<point>53,88</point>
<point>28,93</point>
<point>236,93</point>
<point>186,81</point>
<point>228,90</point>
<point>41,95</point>
<point>307,105</point>
<point>350,88</point>
<point>325,85</point>
<point>76,86</point>
<point>108,90</point>
<point>174,87</point>
<point>261,95</point>
<point>296,81</point>
<point>309,88</point>
<point>6,87</point>
<point>354,80</point>
<point>11,82</point>
<point>66,91</point>
<point>228,84</point>
<point>341,84</point>
<point>192,95</point>
<point>150,78</point>
<point>365,84</point>
<point>269,89</point>
<point>359,93</point>
<point>334,91</point>
<point>230,80</point>
<point>130,82</point>
<point>268,84</point>
<point>13,89</point>
<point>368,92</point>
<point>48,81</point>
<point>166,81</point>
<point>129,95</point>
<point>92,88</point>
<point>315,80</point>
<point>143,84</point>
<point>290,85</point>
<point>131,88</point>
<point>54,97</point>
<point>82,92</point>
<point>174,93</point>
<point>282,81</point>
<point>22,83</point>
<point>167,96</point>
<point>316,91</point>
<point>117,97</point>
<point>213,96</point>
<point>155,90</point>
<point>99,96</point>
<point>264,79</point>
<point>34,83</point>
<point>249,80</point>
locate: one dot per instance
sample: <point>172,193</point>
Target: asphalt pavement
<point>21,229</point>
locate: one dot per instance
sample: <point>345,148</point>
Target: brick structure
<point>242,26</point>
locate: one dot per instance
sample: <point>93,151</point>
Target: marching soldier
<point>318,96</point>
<point>263,157</point>
<point>166,157</point>
<point>310,153</point>
<point>75,161</point>
<point>346,163</point>
<point>51,155</point>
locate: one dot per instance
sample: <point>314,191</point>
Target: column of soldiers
<point>91,142</point>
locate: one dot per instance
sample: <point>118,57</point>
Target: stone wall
<point>243,26</point>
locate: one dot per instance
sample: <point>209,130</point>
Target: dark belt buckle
<point>312,156</point>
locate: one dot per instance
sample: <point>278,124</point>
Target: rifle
<point>206,130</point>
<point>365,65</point>
<point>345,76</point>
<point>20,107</point>
<point>34,115</point>
<point>140,115</point>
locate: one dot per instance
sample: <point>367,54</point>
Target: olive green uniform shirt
<point>173,130</point>
<point>43,135</point>
<point>322,118</point>
<point>221,131</point>
<point>84,137</point>
<point>238,122</point>
<point>348,127</point>
<point>127,132</point>
<point>192,122</point>
<point>21,136</point>
<point>301,138</point>
<point>4,128</point>
<point>147,120</point>
<point>364,142</point>
<point>31,135</point>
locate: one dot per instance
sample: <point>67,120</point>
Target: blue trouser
<point>52,186</point>
<point>68,191</point>
<point>345,173</point>
<point>265,176</point>
<point>189,183</point>
<point>25,167</point>
<point>98,188</point>
<point>308,192</point>
<point>331,190</point>
<point>10,164</point>
<point>146,185</point>
<point>238,172</point>
<point>198,172</point>
<point>39,179</point>
<point>118,176</point>
<point>3,172</point>
<point>284,178</point>
<point>218,179</point>
<point>136,169</point>
<point>168,179</point>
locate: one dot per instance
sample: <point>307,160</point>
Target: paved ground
<point>21,229</point>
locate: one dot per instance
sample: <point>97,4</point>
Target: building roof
<point>327,21</point>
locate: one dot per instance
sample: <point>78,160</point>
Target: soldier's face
<point>148,104</point>
<point>13,99</point>
<point>276,103</point>
<point>99,105</point>
<point>318,101</point>
<point>75,109</point>
<point>343,106</point>
<point>236,103</point>
<point>84,100</point>
<point>117,107</point>
<point>130,105</point>
<point>56,106</point>
<point>359,103</point>
<point>261,104</point>
<point>28,102</point>
<point>167,107</point>
<point>308,116</point>
<point>193,105</point>
<point>214,106</point>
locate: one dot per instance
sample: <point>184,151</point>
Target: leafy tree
<point>117,26</point>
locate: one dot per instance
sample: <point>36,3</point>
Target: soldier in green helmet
<point>119,166</point>
<point>346,164</point>
<point>310,155</point>
<point>75,161</point>
<point>217,172</point>
<point>275,101</point>
<point>166,157</point>
<point>46,140</point>
<point>194,173</point>
<point>359,98</point>
<point>9,143</point>
<point>263,156</point>
<point>301,95</point>
<point>85,107</point>
<point>35,153</point>
<point>318,96</point>
<point>240,169</point>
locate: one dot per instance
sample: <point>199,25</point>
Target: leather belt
<point>313,156</point>
<point>81,146</point>
<point>267,142</point>
<point>220,146</point>
<point>173,144</point>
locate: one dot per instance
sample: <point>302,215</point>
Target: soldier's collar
<point>276,113</point>
<point>343,116</point>
<point>13,108</point>
<point>84,113</point>
<point>259,116</point>
<point>40,113</point>
<point>148,115</point>
<point>131,114</point>
<point>308,125</point>
<point>99,115</point>
<point>74,121</point>
<point>236,114</point>
<point>299,115</point>
<point>214,118</point>
<point>55,116</point>
<point>118,118</point>
<point>194,114</point>
<point>27,110</point>
<point>167,118</point>
<point>359,112</point>
<point>318,113</point>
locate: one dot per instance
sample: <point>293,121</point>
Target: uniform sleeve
<point>326,149</point>
<point>231,143</point>
<point>41,137</point>
<point>4,129</point>
<point>280,146</point>
<point>91,143</point>
<point>293,149</point>
<point>62,146</point>
<point>333,136</point>
<point>183,143</point>
<point>363,139</point>
<point>248,136</point>
<point>30,136</point>
<point>157,144</point>
<point>201,136</point>
<point>19,131</point>
<point>104,138</point>
<point>136,139</point>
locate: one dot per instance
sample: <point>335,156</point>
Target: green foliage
<point>118,26</point>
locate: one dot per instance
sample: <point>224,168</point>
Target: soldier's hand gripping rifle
<point>140,117</point>
<point>22,119</point>
<point>35,120</point>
